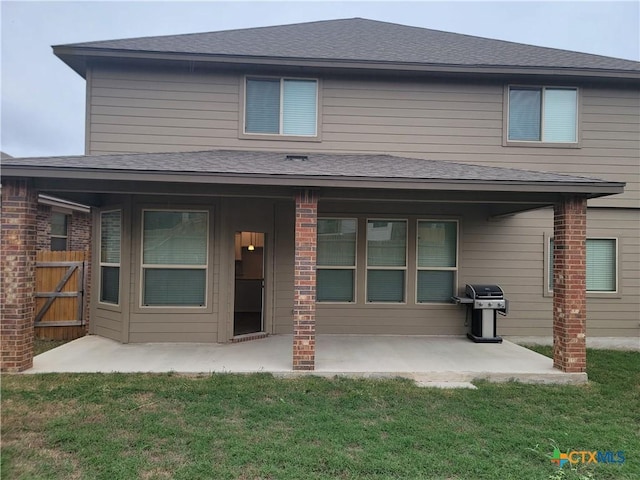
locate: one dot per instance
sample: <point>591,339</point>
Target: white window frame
<point>109,264</point>
<point>548,269</point>
<point>155,266</point>
<point>542,142</point>
<point>280,133</point>
<point>390,268</point>
<point>337,267</point>
<point>444,269</point>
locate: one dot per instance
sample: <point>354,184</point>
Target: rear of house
<point>418,174</point>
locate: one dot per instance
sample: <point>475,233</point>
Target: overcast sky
<point>43,100</point>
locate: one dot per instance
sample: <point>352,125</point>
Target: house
<point>343,177</point>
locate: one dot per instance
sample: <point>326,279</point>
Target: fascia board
<point>85,52</point>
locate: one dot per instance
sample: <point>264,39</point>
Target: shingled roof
<point>308,169</point>
<point>356,40</point>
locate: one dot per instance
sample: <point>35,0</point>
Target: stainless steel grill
<point>483,301</point>
<point>486,296</point>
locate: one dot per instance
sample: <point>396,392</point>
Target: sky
<point>43,101</point>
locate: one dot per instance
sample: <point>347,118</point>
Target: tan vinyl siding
<point>162,110</point>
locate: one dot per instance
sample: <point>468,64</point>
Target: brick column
<point>569,285</point>
<point>18,257</point>
<point>304,282</point>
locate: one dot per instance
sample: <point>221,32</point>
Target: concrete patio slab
<point>421,358</point>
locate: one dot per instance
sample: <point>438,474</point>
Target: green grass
<point>117,426</point>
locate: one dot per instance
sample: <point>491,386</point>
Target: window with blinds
<point>336,259</point>
<point>543,114</point>
<point>174,258</point>
<point>281,106</point>
<point>386,260</point>
<point>602,265</point>
<point>437,258</point>
<point>110,244</point>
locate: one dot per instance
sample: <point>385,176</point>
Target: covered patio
<point>283,196</point>
<point>442,360</point>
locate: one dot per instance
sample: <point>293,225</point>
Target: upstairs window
<point>281,106</point>
<point>59,231</point>
<point>543,114</point>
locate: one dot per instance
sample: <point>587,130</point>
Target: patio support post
<point>304,306</point>
<point>17,259</point>
<point>569,285</point>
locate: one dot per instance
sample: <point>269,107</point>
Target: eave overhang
<point>588,189</point>
<point>78,58</point>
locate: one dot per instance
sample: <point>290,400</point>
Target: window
<point>602,271</point>
<point>437,259</point>
<point>281,106</point>
<point>386,260</point>
<point>110,240</point>
<point>336,259</point>
<point>543,114</point>
<point>59,231</point>
<point>174,258</point>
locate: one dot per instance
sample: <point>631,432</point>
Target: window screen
<point>110,244</point>
<point>174,258</point>
<point>386,260</point>
<point>336,259</point>
<point>281,106</point>
<point>437,255</point>
<point>543,114</point>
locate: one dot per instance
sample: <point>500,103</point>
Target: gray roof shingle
<point>253,163</point>
<point>363,40</point>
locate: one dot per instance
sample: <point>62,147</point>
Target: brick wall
<point>17,260</point>
<point>304,309</point>
<point>569,292</point>
<point>79,229</point>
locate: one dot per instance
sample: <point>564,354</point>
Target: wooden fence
<point>60,287</point>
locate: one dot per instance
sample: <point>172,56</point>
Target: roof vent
<point>301,158</point>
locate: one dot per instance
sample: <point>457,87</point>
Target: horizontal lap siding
<point>154,111</point>
<point>107,323</point>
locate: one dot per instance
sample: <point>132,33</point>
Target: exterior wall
<point>162,110</point>
<point>130,322</point>
<point>17,260</point>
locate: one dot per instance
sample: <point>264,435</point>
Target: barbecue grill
<point>483,302</point>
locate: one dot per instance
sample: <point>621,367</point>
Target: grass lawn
<point>117,426</point>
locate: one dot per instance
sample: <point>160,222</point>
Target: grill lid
<point>484,291</point>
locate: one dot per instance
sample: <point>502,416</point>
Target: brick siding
<point>18,257</point>
<point>569,292</point>
<point>304,309</point>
